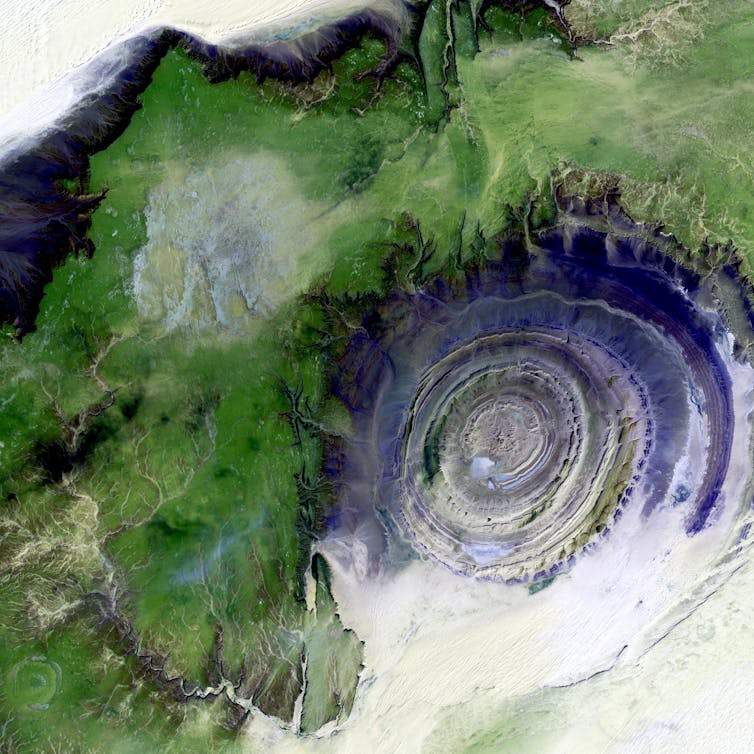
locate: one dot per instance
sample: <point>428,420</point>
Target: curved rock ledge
<point>504,418</point>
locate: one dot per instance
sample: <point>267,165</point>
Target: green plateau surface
<point>160,432</point>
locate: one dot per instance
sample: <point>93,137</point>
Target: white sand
<point>46,44</point>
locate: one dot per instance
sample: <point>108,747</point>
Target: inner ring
<point>472,486</point>
<point>518,448</point>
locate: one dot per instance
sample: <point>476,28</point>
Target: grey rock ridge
<point>506,414</point>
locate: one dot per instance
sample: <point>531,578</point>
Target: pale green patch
<point>35,682</point>
<point>332,660</point>
<point>676,138</point>
<point>227,242</point>
<point>526,725</point>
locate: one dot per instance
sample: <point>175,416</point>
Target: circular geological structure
<point>505,417</point>
<point>521,441</point>
<point>35,682</point>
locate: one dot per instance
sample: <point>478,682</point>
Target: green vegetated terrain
<point>161,430</point>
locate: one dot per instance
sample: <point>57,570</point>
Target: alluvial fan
<point>503,420</point>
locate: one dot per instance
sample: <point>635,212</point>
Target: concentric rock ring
<point>582,426</point>
<point>502,422</point>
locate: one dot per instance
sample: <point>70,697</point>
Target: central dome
<point>504,440</point>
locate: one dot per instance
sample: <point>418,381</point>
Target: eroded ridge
<point>504,418</point>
